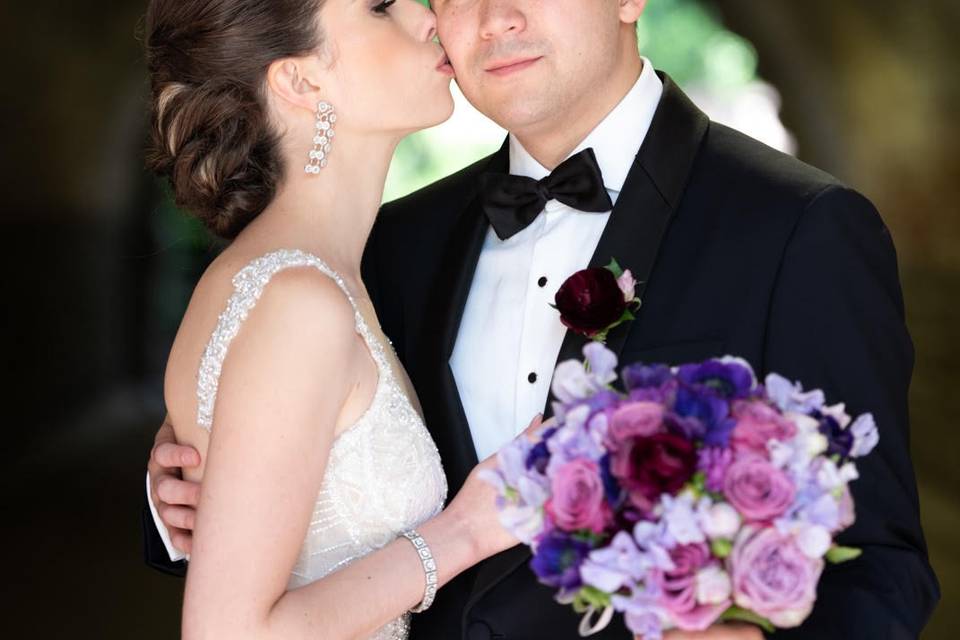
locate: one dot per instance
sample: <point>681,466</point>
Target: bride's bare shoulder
<point>298,296</point>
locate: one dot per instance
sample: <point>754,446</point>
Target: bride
<point>321,507</point>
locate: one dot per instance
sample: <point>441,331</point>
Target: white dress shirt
<point>510,336</point>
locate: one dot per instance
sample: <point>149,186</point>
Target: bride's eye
<point>382,7</point>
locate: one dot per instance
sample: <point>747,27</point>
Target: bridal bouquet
<point>695,494</point>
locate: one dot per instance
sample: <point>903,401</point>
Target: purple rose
<point>578,497</point>
<point>557,559</point>
<point>757,424</point>
<point>758,490</point>
<point>678,588</point>
<point>650,466</point>
<point>635,419</point>
<point>590,300</point>
<point>773,577</point>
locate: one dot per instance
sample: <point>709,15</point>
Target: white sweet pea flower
<point>524,522</point>
<point>791,397</point>
<point>831,477</point>
<point>603,363</point>
<point>681,519</point>
<point>571,382</point>
<point>713,585</point>
<point>865,435</point>
<point>839,413</point>
<point>814,540</point>
<point>720,520</point>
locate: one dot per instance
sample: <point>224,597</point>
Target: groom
<point>738,250</point>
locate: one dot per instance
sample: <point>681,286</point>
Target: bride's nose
<point>429,25</point>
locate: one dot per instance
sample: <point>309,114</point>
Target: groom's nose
<point>499,18</point>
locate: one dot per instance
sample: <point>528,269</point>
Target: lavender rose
<point>578,497</point>
<point>757,424</point>
<point>758,490</point>
<point>773,577</point>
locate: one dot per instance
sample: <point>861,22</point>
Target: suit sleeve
<point>154,551</point>
<point>837,322</point>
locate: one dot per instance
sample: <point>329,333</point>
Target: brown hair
<point>210,130</point>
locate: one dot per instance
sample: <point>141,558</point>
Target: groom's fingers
<point>178,492</point>
<point>173,456</point>
<point>182,540</point>
<point>178,517</point>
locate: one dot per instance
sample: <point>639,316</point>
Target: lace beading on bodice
<point>383,474</point>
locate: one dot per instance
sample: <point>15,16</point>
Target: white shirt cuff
<point>174,553</point>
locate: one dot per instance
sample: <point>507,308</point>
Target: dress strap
<point>248,286</point>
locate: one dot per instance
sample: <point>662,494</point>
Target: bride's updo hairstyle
<point>211,133</point>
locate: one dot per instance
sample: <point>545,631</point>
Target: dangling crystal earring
<point>322,138</point>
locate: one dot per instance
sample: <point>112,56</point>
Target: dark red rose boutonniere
<point>593,301</point>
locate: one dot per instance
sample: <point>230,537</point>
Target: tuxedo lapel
<point>643,211</point>
<point>445,312</point>
<point>637,224</point>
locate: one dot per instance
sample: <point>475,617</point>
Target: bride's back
<point>215,292</point>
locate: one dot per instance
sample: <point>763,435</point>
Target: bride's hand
<point>475,503</point>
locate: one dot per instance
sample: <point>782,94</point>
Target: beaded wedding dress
<point>383,475</point>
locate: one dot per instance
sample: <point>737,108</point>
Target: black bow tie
<point>513,202</point>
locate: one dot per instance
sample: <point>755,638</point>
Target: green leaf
<point>739,614</point>
<point>838,554</point>
<point>615,268</point>
<point>721,547</point>
<point>593,596</point>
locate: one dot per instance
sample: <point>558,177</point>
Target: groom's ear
<point>631,10</point>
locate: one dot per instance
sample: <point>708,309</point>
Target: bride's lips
<point>506,67</point>
<point>444,66</point>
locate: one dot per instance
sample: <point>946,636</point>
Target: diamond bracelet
<point>429,569</point>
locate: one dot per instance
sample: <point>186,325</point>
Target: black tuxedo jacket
<point>739,250</point>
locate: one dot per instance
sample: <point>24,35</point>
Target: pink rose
<point>635,419</point>
<point>758,490</point>
<point>628,285</point>
<point>578,500</point>
<point>772,576</point>
<point>678,588</point>
<point>757,424</point>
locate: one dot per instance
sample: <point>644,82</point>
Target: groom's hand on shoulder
<point>175,499</point>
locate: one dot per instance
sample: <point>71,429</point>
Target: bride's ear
<point>295,82</point>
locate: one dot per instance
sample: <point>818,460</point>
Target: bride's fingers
<point>533,429</point>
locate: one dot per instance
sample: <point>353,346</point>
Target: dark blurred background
<point>99,265</point>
